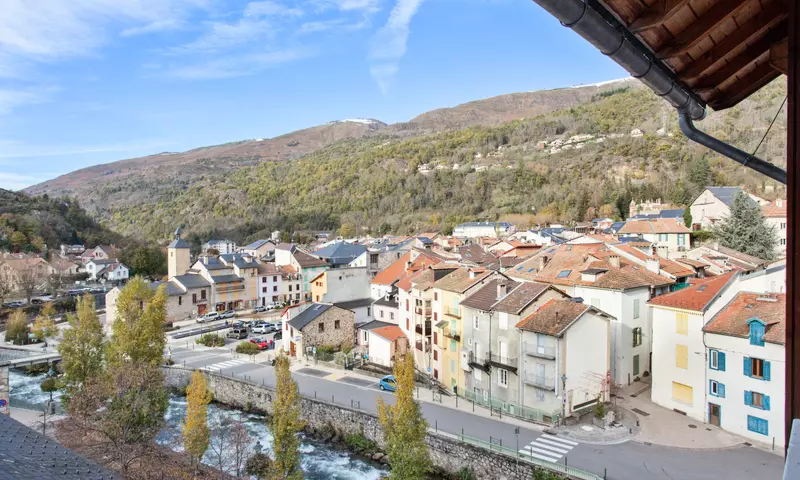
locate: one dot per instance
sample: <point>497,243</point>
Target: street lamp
<point>563,399</point>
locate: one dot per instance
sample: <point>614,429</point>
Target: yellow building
<point>449,331</point>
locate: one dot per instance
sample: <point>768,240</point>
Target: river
<point>319,461</point>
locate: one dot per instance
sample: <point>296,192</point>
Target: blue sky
<point>84,82</point>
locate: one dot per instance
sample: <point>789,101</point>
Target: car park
<point>388,383</point>
<point>262,343</point>
<point>237,333</point>
<point>261,328</point>
<point>278,335</point>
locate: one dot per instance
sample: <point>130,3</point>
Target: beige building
<point>775,214</point>
<point>178,256</point>
<point>666,234</point>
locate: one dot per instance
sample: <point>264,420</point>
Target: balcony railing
<point>450,333</point>
<point>427,345</point>
<point>454,312</point>
<point>475,361</point>
<point>427,332</point>
<point>509,363</point>
<point>540,351</point>
<point>426,311</point>
<point>231,288</point>
<point>540,381</point>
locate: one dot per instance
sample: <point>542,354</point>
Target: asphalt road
<point>627,461</point>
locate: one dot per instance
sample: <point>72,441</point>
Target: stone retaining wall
<point>447,452</point>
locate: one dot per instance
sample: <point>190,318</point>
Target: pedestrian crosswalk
<point>548,447</point>
<point>223,365</point>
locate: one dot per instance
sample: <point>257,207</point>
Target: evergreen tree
<point>687,217</point>
<point>700,172</point>
<point>286,424</point>
<point>195,425</point>
<point>82,347</point>
<point>404,427</point>
<point>138,332</point>
<point>746,230</point>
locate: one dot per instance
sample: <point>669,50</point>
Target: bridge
<point>11,357</point>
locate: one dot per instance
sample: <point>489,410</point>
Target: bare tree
<point>6,287</point>
<point>240,447</point>
<point>219,442</point>
<point>27,280</point>
<point>229,445</point>
<point>55,282</point>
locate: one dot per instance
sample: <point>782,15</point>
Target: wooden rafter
<point>779,56</point>
<point>656,14</point>
<point>751,30</point>
<point>701,27</point>
<point>743,87</point>
<point>746,57</point>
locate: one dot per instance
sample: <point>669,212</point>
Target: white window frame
<point>475,322</point>
<point>637,308</point>
<point>539,395</point>
<point>714,388</point>
<point>477,375</point>
<point>502,377</point>
<point>714,359</point>
<point>503,321</point>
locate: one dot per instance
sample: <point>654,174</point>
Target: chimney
<point>779,203</point>
<point>408,264</point>
<point>502,289</point>
<point>613,260</point>
<point>205,259</point>
<point>472,274</point>
<point>543,262</point>
<point>662,252</point>
<point>653,264</point>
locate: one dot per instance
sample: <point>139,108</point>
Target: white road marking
<point>548,448</point>
<point>224,365</point>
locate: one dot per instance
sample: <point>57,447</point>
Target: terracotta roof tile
<point>476,254</point>
<point>390,333</point>
<point>393,272</point>
<point>776,209</point>
<point>461,279</point>
<point>696,297</point>
<point>733,318</point>
<point>654,226</point>
<point>486,296</point>
<point>521,297</point>
<point>553,317</point>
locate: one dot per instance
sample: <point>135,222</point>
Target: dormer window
<point>756,332</point>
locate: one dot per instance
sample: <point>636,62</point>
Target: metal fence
<point>513,410</point>
<point>523,457</point>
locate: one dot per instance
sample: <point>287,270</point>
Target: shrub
<point>599,409</point>
<point>210,340</point>
<point>359,443</point>
<point>466,473</point>
<point>326,349</point>
<point>247,348</point>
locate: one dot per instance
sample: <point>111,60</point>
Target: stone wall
<point>447,452</point>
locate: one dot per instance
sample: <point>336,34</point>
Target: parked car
<point>262,328</point>
<point>388,383</point>
<point>278,335</point>
<point>259,309</point>
<point>272,306</point>
<point>237,333</point>
<point>208,317</point>
<point>227,314</point>
<point>276,326</point>
<point>14,304</point>
<point>262,343</point>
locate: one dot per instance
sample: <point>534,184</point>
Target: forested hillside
<point>32,224</point>
<point>373,183</point>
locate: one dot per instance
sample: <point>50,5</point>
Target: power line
<point>770,126</point>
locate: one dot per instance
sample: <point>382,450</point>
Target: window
<point>194,298</point>
<point>564,273</point>
<point>783,226</point>
<point>475,322</point>
<point>716,389</point>
<point>682,323</point>
<point>636,305</point>
<point>478,375</point>
<point>264,279</point>
<point>381,315</point>
<point>756,333</point>
<point>636,365</point>
<point>180,300</point>
<point>452,366</point>
<point>716,360</point>
<point>756,400</point>
<point>368,310</point>
<point>783,241</point>
<point>436,296</point>
<point>637,336</point>
<point>435,355</point>
<point>435,336</point>
<point>757,425</point>
<point>757,368</point>
<point>435,371</point>
<point>263,289</point>
<point>290,287</point>
<point>408,325</point>
<point>407,305</point>
<point>663,237</point>
<point>202,294</point>
<point>503,319</point>
<point>502,377</point>
<point>682,393</point>
<point>275,279</point>
<point>681,240</point>
<point>435,316</point>
<point>336,324</point>
<point>365,336</point>
<point>391,315</point>
<point>539,395</point>
<point>452,345</point>
<point>321,327</point>
<point>682,356</point>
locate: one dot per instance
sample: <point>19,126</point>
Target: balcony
<point>427,345</point>
<point>475,361</point>
<point>427,332</point>
<point>230,288</point>
<point>454,312</point>
<point>508,363</point>
<point>426,311</point>
<point>450,333</point>
<point>540,381</point>
<point>540,351</point>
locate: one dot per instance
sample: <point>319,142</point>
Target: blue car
<point>388,383</point>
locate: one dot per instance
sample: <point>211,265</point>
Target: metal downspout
<point>630,54</point>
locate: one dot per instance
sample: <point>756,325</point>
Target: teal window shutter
<point>720,390</point>
<point>766,371</point>
<point>756,333</point>
<point>748,398</point>
<point>766,402</point>
<point>721,361</point>
<point>747,367</point>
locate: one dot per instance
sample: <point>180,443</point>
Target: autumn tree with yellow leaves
<point>195,425</point>
<point>286,424</point>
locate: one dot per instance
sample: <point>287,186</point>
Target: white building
<point>386,344</point>
<point>484,229</point>
<point>714,204</point>
<point>111,270</point>
<point>775,214</point>
<point>270,284</point>
<point>669,234</point>
<point>224,247</point>
<point>745,367</point>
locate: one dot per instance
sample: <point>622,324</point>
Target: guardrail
<point>540,381</point>
<point>539,351</point>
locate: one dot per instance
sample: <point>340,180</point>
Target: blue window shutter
<point>747,369</point>
<point>766,371</point>
<point>748,398</point>
<point>721,361</point>
<point>720,390</point>
<point>766,402</point>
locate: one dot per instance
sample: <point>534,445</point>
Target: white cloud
<point>337,24</point>
<point>11,150</point>
<point>388,45</point>
<point>11,99</point>
<point>17,181</point>
<point>237,65</point>
<point>269,8</point>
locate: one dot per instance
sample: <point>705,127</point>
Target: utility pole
<point>563,399</point>
<point>489,356</point>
